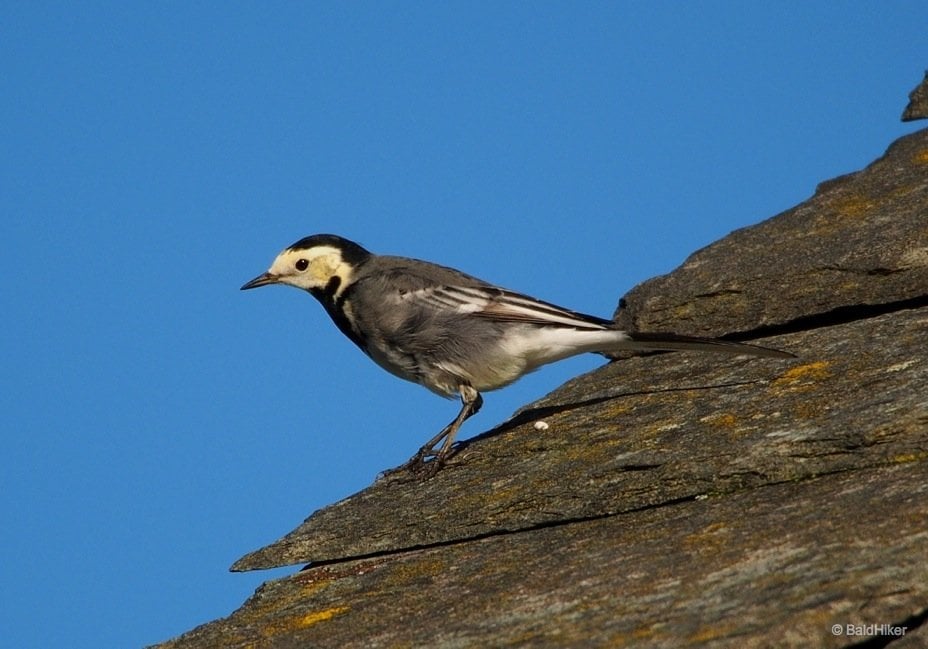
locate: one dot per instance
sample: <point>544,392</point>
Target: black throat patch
<point>335,307</point>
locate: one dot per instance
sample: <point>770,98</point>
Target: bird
<point>455,334</point>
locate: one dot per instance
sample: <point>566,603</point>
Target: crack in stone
<point>555,523</point>
<point>837,316</point>
<point>879,271</point>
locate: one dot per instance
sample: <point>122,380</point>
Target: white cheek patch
<point>322,268</point>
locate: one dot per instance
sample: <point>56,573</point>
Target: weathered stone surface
<point>675,499</point>
<point>918,102</point>
<point>861,240</point>
<point>755,568</point>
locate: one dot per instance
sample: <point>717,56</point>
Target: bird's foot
<point>426,462</point>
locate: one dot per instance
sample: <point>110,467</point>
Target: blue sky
<point>158,423</point>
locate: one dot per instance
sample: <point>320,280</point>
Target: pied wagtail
<point>451,332</point>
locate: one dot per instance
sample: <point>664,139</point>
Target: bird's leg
<point>471,401</point>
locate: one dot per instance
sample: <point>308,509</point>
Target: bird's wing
<point>501,305</point>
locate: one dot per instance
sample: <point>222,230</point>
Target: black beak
<point>261,280</point>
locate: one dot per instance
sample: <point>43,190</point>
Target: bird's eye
<point>302,264</point>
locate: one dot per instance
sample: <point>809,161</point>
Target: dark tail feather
<point>676,342</point>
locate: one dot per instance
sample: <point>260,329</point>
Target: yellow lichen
<point>802,374</point>
<point>321,616</point>
<point>291,622</point>
<point>721,420</point>
<point>906,458</point>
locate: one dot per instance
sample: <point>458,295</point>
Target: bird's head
<point>322,264</point>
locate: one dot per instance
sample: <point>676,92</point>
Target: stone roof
<point>674,499</point>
